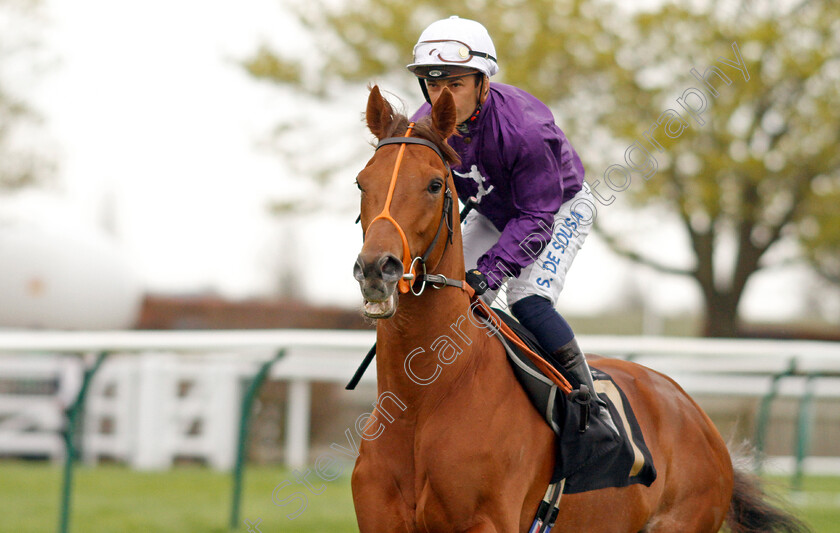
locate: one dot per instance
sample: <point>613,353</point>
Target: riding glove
<point>477,281</point>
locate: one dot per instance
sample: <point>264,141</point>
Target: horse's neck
<point>430,341</point>
<point>416,348</point>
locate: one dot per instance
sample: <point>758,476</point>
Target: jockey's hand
<point>477,281</point>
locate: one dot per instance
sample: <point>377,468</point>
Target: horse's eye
<point>435,187</point>
<point>359,186</point>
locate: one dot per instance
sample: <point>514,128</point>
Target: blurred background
<point>189,166</point>
<point>211,150</point>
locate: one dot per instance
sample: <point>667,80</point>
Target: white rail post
<point>153,446</point>
<point>297,423</point>
<point>221,422</point>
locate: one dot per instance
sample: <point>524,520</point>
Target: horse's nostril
<point>391,268</point>
<point>358,270</point>
<point>387,268</point>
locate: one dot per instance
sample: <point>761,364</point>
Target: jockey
<point>522,176</point>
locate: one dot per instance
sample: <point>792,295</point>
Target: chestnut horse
<point>454,444</point>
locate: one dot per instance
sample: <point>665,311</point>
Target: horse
<point>453,444</point>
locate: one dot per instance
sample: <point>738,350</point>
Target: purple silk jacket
<point>521,167</point>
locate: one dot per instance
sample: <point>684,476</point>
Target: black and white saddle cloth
<point>596,458</point>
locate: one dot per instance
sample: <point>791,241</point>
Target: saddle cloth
<point>596,458</point>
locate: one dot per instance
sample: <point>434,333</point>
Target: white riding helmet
<point>454,42</point>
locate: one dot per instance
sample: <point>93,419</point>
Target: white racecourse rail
<point>176,393</point>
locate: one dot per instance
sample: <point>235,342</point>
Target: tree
<point>725,114</point>
<point>748,175</point>
<point>21,164</point>
<point>820,230</point>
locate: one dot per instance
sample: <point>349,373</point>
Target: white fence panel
<point>164,395</point>
<point>110,423</point>
<point>34,393</point>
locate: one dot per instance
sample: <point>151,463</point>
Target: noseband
<point>409,264</point>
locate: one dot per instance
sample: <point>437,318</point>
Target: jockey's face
<point>465,90</point>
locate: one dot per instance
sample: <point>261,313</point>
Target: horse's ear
<point>379,114</point>
<point>444,114</point>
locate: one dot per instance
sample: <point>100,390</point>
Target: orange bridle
<point>409,264</point>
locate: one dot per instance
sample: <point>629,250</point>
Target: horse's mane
<point>423,129</point>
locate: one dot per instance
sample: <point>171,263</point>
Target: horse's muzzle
<point>378,277</point>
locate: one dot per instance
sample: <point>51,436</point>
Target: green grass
<point>110,499</point>
<point>115,499</point>
<point>817,504</point>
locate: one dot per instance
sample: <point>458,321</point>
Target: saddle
<point>591,458</point>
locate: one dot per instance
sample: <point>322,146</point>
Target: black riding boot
<point>571,357</point>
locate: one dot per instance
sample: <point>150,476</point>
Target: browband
<point>414,140</point>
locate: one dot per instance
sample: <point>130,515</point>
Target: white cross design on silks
<point>476,176</point>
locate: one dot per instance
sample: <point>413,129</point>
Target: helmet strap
<point>425,91</point>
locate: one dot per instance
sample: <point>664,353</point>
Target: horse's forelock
<point>423,129</point>
<point>397,127</point>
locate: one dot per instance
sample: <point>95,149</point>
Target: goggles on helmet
<point>442,59</point>
<point>452,51</point>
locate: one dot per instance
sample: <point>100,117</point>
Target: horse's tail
<point>752,510</point>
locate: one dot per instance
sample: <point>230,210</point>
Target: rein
<point>409,265</point>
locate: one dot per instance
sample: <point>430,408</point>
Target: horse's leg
<point>610,510</point>
<point>694,517</point>
<point>693,514</point>
<point>379,507</point>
